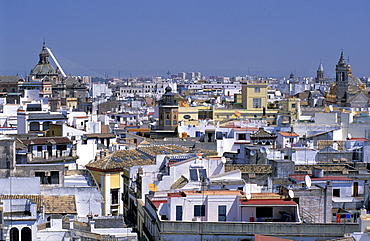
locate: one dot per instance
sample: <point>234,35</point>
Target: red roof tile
<point>301,178</point>
<point>258,237</point>
<point>288,134</point>
<point>266,202</point>
<point>359,139</point>
<point>157,203</point>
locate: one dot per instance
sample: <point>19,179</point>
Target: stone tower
<point>320,77</point>
<point>168,111</point>
<point>341,80</point>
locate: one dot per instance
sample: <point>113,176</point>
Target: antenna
<point>307,180</point>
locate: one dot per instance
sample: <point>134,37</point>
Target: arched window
<point>26,234</point>
<point>14,234</point>
<point>5,90</point>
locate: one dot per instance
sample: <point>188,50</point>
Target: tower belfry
<point>341,79</point>
<point>168,111</point>
<point>320,77</point>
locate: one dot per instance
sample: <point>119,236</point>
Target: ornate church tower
<point>341,79</point>
<point>320,78</point>
<point>168,111</point>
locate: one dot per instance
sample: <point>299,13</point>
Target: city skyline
<point>146,38</point>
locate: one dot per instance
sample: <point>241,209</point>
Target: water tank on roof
<point>317,172</point>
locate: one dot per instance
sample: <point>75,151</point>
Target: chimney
<point>366,194</point>
<point>71,223</point>
<point>92,225</point>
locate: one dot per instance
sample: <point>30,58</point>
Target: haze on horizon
<point>268,38</point>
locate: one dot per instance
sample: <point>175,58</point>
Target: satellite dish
<point>263,149</point>
<point>152,187</point>
<point>248,196</point>
<point>291,194</point>
<point>349,136</point>
<point>267,151</point>
<point>290,186</point>
<point>307,180</point>
<point>252,152</point>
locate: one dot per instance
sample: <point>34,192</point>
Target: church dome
<point>168,89</point>
<point>43,68</point>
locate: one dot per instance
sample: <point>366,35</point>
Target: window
<point>43,178</point>
<point>39,148</point>
<point>199,210</point>
<point>168,122</point>
<point>242,136</point>
<point>222,213</point>
<point>178,213</point>
<point>257,89</point>
<point>14,234</point>
<point>196,174</point>
<point>336,192</point>
<point>54,177</point>
<point>114,195</point>
<point>293,105</point>
<point>257,103</point>
<point>264,212</point>
<point>193,175</point>
<point>26,234</point>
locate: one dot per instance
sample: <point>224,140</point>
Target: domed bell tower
<point>168,111</point>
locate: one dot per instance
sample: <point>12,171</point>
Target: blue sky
<point>268,38</point>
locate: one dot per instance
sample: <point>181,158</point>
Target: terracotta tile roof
<point>266,202</point>
<point>249,168</point>
<point>120,160</point>
<point>155,150</point>
<point>301,178</point>
<point>216,192</point>
<point>180,183</point>
<point>45,140</point>
<point>359,139</point>
<point>321,144</point>
<point>326,168</point>
<point>100,135</point>
<point>60,205</point>
<point>258,237</point>
<point>288,134</point>
<point>261,133</point>
<point>207,153</point>
<point>34,198</point>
